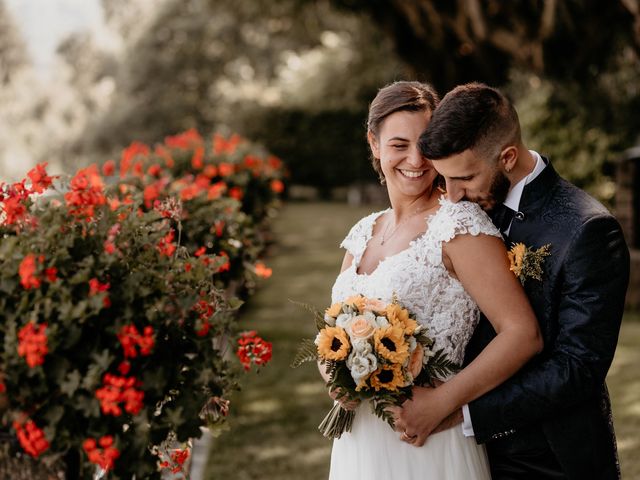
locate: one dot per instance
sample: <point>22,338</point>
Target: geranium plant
<point>113,333</point>
<point>229,189</point>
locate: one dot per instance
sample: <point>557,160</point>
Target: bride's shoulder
<point>463,217</point>
<point>363,228</point>
<point>461,208</point>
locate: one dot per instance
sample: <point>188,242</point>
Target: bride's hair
<point>398,97</point>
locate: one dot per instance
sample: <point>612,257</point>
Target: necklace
<point>402,222</point>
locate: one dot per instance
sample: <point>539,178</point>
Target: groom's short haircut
<point>471,116</point>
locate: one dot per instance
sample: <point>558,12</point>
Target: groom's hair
<point>471,116</point>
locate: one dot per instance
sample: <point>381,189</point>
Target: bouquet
<point>372,351</point>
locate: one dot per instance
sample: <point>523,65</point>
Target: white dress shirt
<point>513,202</point>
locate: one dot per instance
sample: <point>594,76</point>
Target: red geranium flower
<point>185,140</point>
<point>27,270</point>
<point>130,153</point>
<point>197,159</point>
<point>108,168</point>
<point>31,438</point>
<point>86,192</point>
<point>221,145</point>
<point>226,169</point>
<point>253,349</point>
<point>166,246</point>
<point>106,456</point>
<point>237,193</point>
<point>117,390</point>
<point>40,181</point>
<point>32,343</point>
<point>277,186</point>
<point>130,338</point>
<point>262,270</point>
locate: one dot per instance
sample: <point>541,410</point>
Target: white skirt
<point>373,451</point>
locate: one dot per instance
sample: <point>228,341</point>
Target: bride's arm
<point>480,263</point>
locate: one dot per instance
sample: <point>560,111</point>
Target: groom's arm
<point>574,365</point>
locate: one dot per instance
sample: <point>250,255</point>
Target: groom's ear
<point>373,144</point>
<point>509,158</point>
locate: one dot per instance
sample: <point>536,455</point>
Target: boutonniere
<point>527,262</point>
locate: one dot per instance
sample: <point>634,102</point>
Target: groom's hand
<point>421,416</point>
<point>345,401</point>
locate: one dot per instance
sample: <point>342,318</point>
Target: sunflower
<point>390,343</point>
<point>400,316</point>
<point>516,258</point>
<point>387,377</point>
<point>334,310</point>
<point>357,301</point>
<point>333,343</point>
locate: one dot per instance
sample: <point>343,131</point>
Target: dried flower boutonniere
<point>527,262</point>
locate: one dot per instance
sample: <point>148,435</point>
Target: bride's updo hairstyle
<point>398,97</point>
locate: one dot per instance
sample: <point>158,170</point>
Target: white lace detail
<point>418,277</point>
<point>356,240</point>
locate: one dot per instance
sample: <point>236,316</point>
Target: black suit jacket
<point>561,394</point>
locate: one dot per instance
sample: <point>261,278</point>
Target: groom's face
<point>470,177</point>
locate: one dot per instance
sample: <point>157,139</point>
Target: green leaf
<point>71,383</point>
<point>54,414</point>
<point>307,352</point>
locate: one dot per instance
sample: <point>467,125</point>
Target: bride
<point>445,262</point>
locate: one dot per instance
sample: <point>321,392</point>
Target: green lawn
<point>273,423</point>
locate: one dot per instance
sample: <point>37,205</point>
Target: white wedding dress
<point>372,450</point>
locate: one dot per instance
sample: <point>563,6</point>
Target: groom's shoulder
<point>575,201</point>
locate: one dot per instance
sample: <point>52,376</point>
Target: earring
<point>507,169</point>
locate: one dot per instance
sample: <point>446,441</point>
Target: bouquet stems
<point>337,421</point>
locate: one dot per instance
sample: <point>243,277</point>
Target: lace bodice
<point>418,277</point>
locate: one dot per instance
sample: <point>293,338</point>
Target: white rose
<point>329,320</point>
<point>361,366</point>
<point>344,320</point>
<point>382,322</point>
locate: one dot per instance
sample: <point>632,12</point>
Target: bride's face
<point>405,170</point>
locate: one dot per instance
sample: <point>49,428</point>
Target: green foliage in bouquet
<point>113,336</point>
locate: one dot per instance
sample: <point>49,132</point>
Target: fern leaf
<point>317,314</point>
<point>307,352</point>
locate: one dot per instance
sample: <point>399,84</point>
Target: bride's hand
<point>419,417</point>
<point>344,400</point>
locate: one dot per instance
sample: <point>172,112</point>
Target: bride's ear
<point>373,144</point>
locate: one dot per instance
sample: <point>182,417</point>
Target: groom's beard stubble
<point>498,191</point>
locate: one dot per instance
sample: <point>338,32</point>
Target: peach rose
<point>360,327</point>
<point>375,305</point>
<point>415,361</point>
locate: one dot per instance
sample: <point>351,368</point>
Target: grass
<point>273,433</point>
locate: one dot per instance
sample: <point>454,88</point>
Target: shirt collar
<point>515,194</point>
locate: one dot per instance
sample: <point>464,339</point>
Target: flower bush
<point>113,329</point>
<point>228,191</point>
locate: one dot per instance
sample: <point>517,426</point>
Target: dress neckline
<point>355,264</point>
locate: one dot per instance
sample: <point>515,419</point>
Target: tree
<point>13,51</point>
<point>455,42</point>
<point>274,70</point>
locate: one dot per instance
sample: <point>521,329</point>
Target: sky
<point>44,23</point>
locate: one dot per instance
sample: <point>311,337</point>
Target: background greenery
<point>298,75</point>
<point>274,419</point>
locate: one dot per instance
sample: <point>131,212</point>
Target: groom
<point>552,420</point>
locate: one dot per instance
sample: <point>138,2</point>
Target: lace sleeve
<point>457,219</point>
<point>356,240</point>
